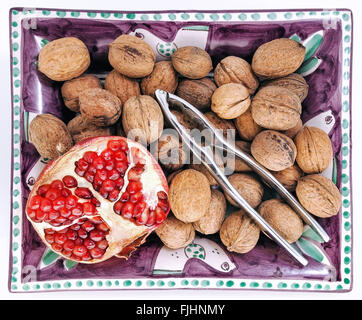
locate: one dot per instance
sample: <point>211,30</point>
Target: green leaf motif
<point>311,234</point>
<point>49,257</point>
<point>310,249</point>
<point>69,264</point>
<point>312,45</point>
<point>309,66</point>
<point>295,37</point>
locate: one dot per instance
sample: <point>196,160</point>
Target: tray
<point>204,264</point>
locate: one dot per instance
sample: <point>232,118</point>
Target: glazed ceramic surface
<point>205,263</point>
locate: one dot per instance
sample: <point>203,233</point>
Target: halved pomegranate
<point>100,199</point>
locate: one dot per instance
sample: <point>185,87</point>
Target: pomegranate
<point>100,199</point>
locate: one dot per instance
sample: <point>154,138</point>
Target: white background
<point>5,144</point>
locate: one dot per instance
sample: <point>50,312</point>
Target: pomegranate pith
<point>81,202</point>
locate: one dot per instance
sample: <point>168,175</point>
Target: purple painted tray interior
<point>41,95</point>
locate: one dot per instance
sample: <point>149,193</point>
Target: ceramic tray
<point>204,264</point>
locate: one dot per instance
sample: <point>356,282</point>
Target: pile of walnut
<point>261,102</point>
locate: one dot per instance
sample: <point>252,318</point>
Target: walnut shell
<point>236,70</point>
<point>162,77</point>
<point>315,150</point>
<point>170,153</point>
<point>175,234</point>
<point>211,222</point>
<point>64,59</point>
<point>248,187</point>
<point>100,107</point>
<point>185,121</point>
<point>227,126</point>
<point>289,177</point>
<point>230,100</point>
<point>189,195</point>
<point>197,92</point>
<point>292,132</point>
<point>273,150</point>
<point>80,128</point>
<point>50,136</point>
<point>239,233</point>
<point>293,82</point>
<point>278,58</point>
<point>172,175</point>
<point>121,86</point>
<point>276,108</point>
<point>192,62</point>
<point>319,195</point>
<point>246,126</point>
<point>72,88</point>
<point>142,119</point>
<point>131,56</point>
<point>234,163</point>
<point>282,218</point>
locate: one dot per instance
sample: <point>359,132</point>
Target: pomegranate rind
<point>125,236</point>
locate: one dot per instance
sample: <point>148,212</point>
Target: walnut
<point>64,59</point>
<point>175,234</point>
<point>192,62</point>
<point>80,128</point>
<point>234,163</point>
<point>72,88</point>
<point>319,195</point>
<point>162,77</point>
<point>239,233</point>
<point>248,187</point>
<point>227,126</point>
<point>50,136</point>
<point>100,107</point>
<point>246,126</point>
<point>293,82</point>
<point>276,108</point>
<point>142,119</point>
<point>289,177</point>
<point>189,195</point>
<point>121,86</point>
<point>236,70</point>
<point>282,218</point>
<point>197,92</point>
<point>314,150</point>
<point>211,222</point>
<point>292,132</point>
<point>278,58</point>
<point>131,56</point>
<point>185,121</point>
<point>273,150</point>
<point>230,100</point>
<point>170,153</point>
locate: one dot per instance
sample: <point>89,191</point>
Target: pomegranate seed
<point>69,181</point>
<point>109,165</point>
<point>49,231</point>
<point>71,234</point>
<point>138,156</point>
<point>124,197</point>
<point>86,257</point>
<point>59,203</point>
<point>96,253</point>
<point>89,177</point>
<point>89,244</point>
<point>120,156</point>
<point>60,238</point>
<point>88,208</point>
<point>66,253</point>
<point>89,156</point>
<point>113,175</point>
<point>75,258</point>
<point>43,189</point>
<point>77,210</point>
<point>160,215</point>
<point>53,215</point>
<point>57,247</point>
<point>101,174</point>
<point>70,202</point>
<point>120,183</point>
<point>79,250</point>
<point>83,193</point>
<point>108,185</point>
<point>96,235</point>
<point>139,208</point>
<point>35,202</point>
<point>66,192</point>
<point>135,173</point>
<point>59,220</point>
<point>117,208</point>
<point>136,197</point>
<point>162,195</point>
<point>57,184</point>
<point>134,186</point>
<point>114,145</point>
<point>82,164</point>
<point>49,238</point>
<point>143,217</point>
<point>96,220</point>
<point>103,227</point>
<point>97,183</point>
<point>123,145</point>
<point>127,210</point>
<point>121,167</point>
<point>31,213</point>
<point>87,226</point>
<point>64,212</point>
<point>163,205</point>
<point>113,195</point>
<point>151,219</point>
<point>82,233</point>
<point>78,241</point>
<point>96,202</point>
<point>98,163</point>
<point>45,205</point>
<point>103,244</point>
<point>107,154</point>
<point>79,172</point>
<point>75,227</point>
<point>68,245</point>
